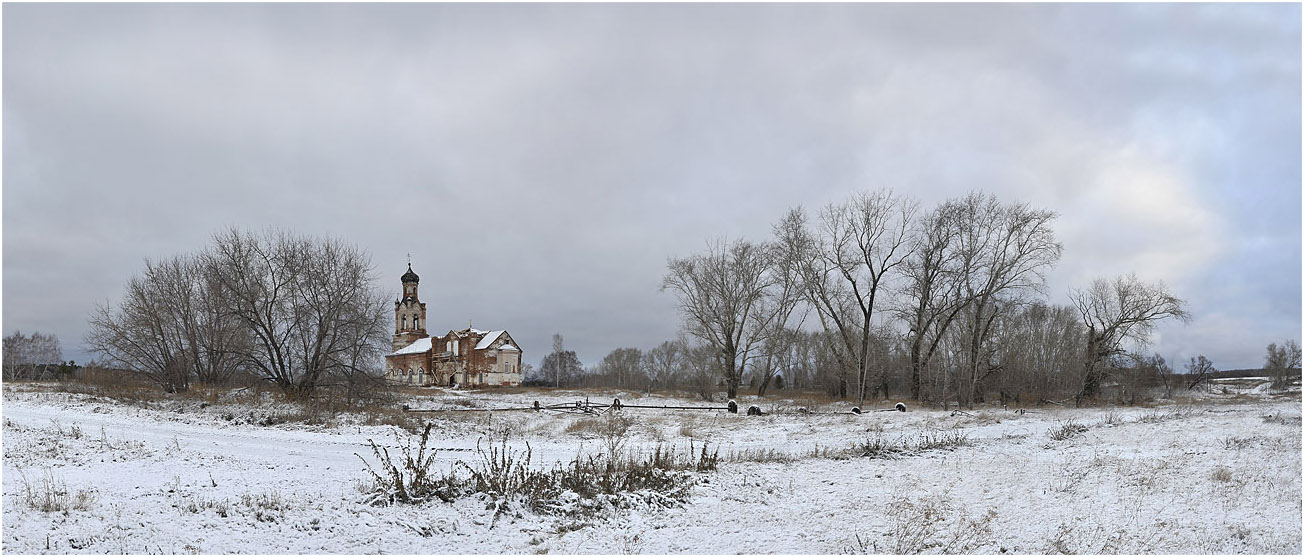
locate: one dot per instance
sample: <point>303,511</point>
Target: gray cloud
<point>547,159</point>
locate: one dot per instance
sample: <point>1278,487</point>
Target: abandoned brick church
<point>468,357</point>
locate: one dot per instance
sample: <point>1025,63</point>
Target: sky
<point>541,163</point>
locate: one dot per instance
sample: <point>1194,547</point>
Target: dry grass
<point>1222,474</point>
<point>1176,413</point>
<point>605,426</point>
<point>49,494</point>
<point>929,524</point>
<point>688,430</point>
<point>881,447</point>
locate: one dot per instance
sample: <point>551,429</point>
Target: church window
<point>405,322</point>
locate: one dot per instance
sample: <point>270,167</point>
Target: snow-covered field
<point>1221,475</point>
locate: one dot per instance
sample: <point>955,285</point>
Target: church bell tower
<point>409,313</point>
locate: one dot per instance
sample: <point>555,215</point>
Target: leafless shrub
<point>1067,430</point>
<point>1111,418</point>
<point>507,477</point>
<point>1069,479</point>
<point>411,479</point>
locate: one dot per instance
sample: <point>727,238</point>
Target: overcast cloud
<point>543,161</point>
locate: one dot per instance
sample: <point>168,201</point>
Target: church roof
<point>410,276</point>
<point>489,338</point>
<point>421,345</point>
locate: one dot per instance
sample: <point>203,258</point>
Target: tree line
<point>874,295</point>
<point>32,357</point>
<point>948,302</point>
<point>296,311</point>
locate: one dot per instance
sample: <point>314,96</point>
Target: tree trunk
<point>1090,385</point>
<point>915,364</point>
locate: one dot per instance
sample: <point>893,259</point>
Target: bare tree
<point>1279,362</point>
<point>801,247</point>
<point>702,363</point>
<point>623,367</point>
<point>309,305</point>
<point>1036,345</point>
<point>782,353</point>
<point>1199,369</point>
<point>1116,311</point>
<point>846,264</point>
<point>664,363</point>
<point>1004,253</point>
<point>30,356</point>
<point>147,333</point>
<point>563,367</point>
<point>1163,371</point>
<point>781,308</point>
<point>724,297</point>
<point>218,340</point>
<point>932,294</point>
<point>558,346</point>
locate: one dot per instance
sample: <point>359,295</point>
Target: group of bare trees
<point>737,298</point>
<point>33,356</point>
<point>954,294</point>
<point>559,368</point>
<point>296,311</point>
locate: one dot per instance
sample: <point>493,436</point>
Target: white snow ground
<point>1220,476</point>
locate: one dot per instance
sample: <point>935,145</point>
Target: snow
<point>509,348</point>
<point>1219,476</point>
<point>417,347</point>
<point>488,339</point>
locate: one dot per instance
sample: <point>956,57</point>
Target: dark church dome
<point>410,276</point>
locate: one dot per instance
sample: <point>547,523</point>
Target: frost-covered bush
<point>1067,430</point>
<point>410,479</point>
<point>507,477</point>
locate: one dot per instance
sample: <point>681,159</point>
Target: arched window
<point>405,322</point>
<point>416,322</point>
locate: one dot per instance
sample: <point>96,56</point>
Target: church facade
<point>467,357</point>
